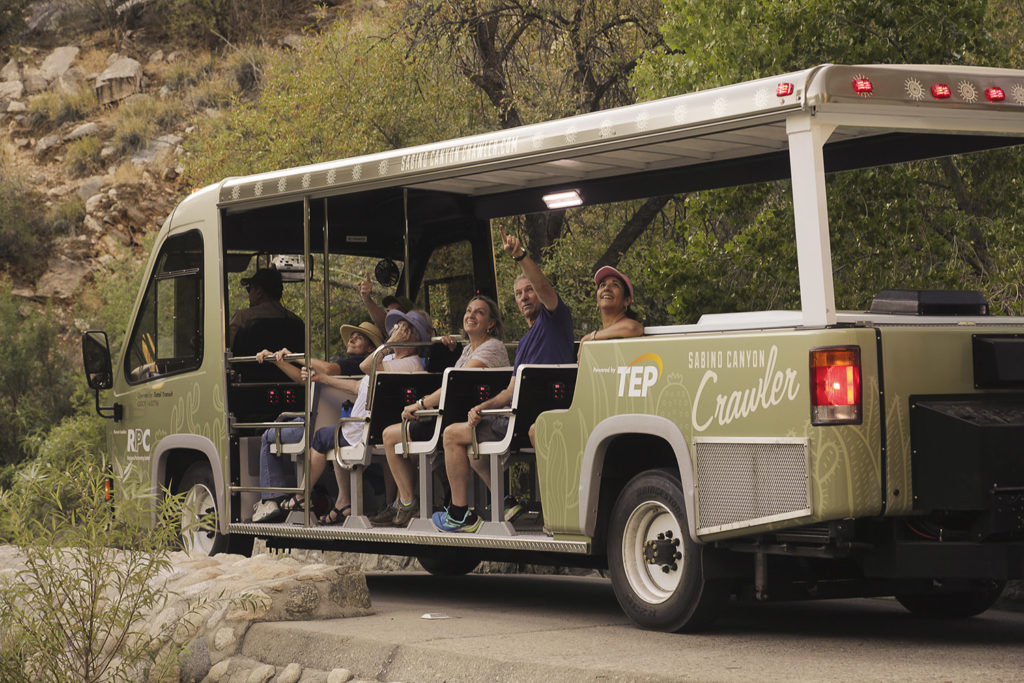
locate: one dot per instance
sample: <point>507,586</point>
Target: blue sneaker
<point>469,523</point>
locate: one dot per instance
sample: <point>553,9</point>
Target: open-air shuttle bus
<point>768,455</point>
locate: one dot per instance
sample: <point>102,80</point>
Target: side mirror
<point>96,359</point>
<point>98,371</point>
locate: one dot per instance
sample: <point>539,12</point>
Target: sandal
<point>292,504</point>
<point>336,515</point>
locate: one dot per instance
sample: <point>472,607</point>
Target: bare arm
<point>377,314</point>
<point>545,292</point>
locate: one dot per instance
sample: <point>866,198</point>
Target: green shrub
<point>24,235</point>
<point>82,156</point>
<point>50,109</point>
<point>80,606</point>
<point>136,124</point>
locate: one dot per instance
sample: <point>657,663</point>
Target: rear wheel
<point>656,568</point>
<point>953,604</point>
<point>448,565</point>
<point>199,514</point>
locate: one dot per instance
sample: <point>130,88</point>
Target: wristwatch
<point>519,258</point>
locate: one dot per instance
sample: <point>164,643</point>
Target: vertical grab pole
<point>405,215</point>
<point>810,213</point>
<point>307,432</point>
<point>327,281</point>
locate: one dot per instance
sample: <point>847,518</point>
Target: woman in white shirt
<point>481,325</point>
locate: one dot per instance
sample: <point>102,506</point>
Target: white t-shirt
<point>353,431</point>
<point>492,353</point>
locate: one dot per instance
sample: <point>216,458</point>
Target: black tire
<point>955,604</point>
<point>448,565</point>
<point>672,595</point>
<point>199,516</point>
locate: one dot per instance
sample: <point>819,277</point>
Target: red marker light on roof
<point>863,86</point>
<point>783,89</point>
<point>995,94</point>
<point>941,91</point>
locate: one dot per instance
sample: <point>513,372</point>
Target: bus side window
<point>168,334</point>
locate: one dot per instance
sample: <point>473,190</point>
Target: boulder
<point>293,41</point>
<point>45,144</point>
<point>91,187</point>
<point>34,81</point>
<point>58,62</point>
<point>11,90</point>
<point>71,80</point>
<point>16,107</point>
<point>121,79</point>
<point>62,278</point>
<point>11,71</point>
<point>82,131</point>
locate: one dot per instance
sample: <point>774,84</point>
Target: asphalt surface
<point>545,628</point>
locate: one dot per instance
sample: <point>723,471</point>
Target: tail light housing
<point>836,386</point>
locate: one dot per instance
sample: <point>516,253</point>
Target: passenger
<point>482,326</point>
<point>379,312</point>
<point>277,471</point>
<point>614,296</point>
<point>549,340</point>
<point>265,290</point>
<point>405,327</point>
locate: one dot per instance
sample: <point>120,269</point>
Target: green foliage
<point>24,233</point>
<point>82,156</point>
<point>80,606</point>
<point>36,379</point>
<point>51,108</point>
<point>921,225</point>
<point>212,22</point>
<point>137,123</point>
<point>12,21</point>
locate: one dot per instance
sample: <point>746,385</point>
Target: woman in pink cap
<point>614,295</point>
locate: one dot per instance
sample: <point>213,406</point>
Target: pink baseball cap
<point>605,271</point>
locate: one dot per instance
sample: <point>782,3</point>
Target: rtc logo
<point>137,438</point>
<point>636,378</point>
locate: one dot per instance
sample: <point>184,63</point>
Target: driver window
<point>168,334</point>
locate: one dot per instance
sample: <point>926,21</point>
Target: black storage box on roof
<point>929,302</point>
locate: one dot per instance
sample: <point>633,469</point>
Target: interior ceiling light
<point>563,200</point>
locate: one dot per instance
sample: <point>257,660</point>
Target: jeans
<point>278,470</point>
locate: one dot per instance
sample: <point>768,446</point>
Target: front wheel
<point>954,604</point>
<point>656,568</point>
<point>199,514</point>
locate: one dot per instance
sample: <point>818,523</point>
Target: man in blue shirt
<point>549,341</point>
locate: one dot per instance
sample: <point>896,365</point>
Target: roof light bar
<point>941,91</point>
<point>995,94</point>
<point>784,89</point>
<point>563,200</point>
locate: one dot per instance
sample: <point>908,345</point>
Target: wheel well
<point>176,463</point>
<point>626,456</point>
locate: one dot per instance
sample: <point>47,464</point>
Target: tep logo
<point>640,375</point>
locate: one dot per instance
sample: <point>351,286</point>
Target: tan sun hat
<point>367,329</point>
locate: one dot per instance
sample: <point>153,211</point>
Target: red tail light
<point>108,489</point>
<point>835,385</point>
<point>862,86</point>
<point>784,90</point>
<point>995,94</point>
<point>941,91</point>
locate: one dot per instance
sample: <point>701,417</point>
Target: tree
<point>743,239</point>
<point>536,60</point>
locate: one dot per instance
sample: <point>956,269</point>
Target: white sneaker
<point>266,511</point>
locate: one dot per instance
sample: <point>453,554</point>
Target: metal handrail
<point>421,414</point>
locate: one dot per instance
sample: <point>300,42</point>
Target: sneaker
<point>267,511</point>
<point>469,523</point>
<point>385,516</point>
<point>513,508</point>
<point>404,513</point>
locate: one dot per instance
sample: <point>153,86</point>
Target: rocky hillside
<point>100,123</point>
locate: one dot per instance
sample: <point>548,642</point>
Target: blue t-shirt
<point>549,340</point>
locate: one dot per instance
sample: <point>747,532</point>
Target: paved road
<point>523,628</point>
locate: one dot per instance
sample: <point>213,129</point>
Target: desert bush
<point>82,156</point>
<point>136,124</point>
<point>65,217</point>
<point>50,109</point>
<point>80,606</point>
<point>24,235</point>
<point>212,22</point>
<point>37,380</point>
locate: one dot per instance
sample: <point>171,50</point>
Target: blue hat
<point>418,321</point>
